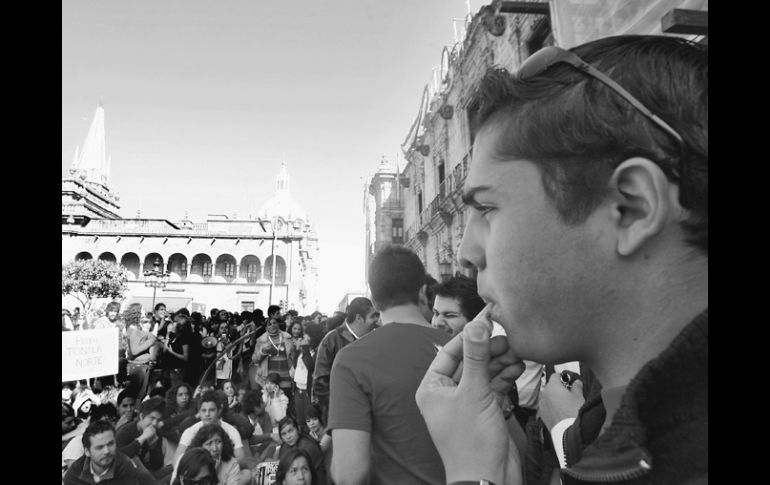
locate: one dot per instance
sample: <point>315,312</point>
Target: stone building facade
<point>233,264</point>
<point>437,149</point>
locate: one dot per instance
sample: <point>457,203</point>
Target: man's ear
<point>641,203</point>
<point>423,296</point>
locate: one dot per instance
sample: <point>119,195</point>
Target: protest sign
<point>89,353</point>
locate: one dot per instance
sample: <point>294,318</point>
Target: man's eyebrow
<point>469,196</point>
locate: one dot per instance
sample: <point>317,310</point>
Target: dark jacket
<point>126,439</point>
<point>328,349</point>
<point>308,360</point>
<point>125,471</point>
<point>659,435</point>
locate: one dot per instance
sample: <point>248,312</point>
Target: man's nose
<point>470,253</point>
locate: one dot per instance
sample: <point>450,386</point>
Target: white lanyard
<point>280,342</point>
<point>351,330</point>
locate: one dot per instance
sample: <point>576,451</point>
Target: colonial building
<point>223,263</point>
<point>425,196</point>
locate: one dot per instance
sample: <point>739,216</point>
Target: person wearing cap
<point>588,230</point>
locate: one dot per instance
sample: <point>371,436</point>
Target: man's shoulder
<point>127,430</point>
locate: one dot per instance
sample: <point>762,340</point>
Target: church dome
<point>282,204</point>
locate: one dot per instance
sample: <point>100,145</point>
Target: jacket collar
<point>675,382</point>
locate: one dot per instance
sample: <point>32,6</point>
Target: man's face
<point>160,313</point>
<point>102,449</point>
<point>112,315</point>
<point>546,280</point>
<point>371,320</point>
<point>209,413</point>
<point>151,419</point>
<point>447,315</point>
<point>289,434</point>
<point>127,406</point>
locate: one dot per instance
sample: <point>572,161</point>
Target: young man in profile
<point>588,226</point>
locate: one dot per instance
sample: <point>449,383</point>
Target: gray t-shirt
<point>373,382</point>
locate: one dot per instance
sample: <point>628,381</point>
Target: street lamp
<point>155,278</point>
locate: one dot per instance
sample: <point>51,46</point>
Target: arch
<point>177,263</point>
<point>280,270</point>
<point>251,268</point>
<point>149,261</point>
<point>108,256</point>
<point>83,255</point>
<point>225,267</point>
<point>131,262</point>
<point>201,266</point>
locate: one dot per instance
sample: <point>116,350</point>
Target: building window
<point>247,306</point>
<point>419,203</point>
<point>441,178</point>
<point>397,231</point>
<point>252,273</point>
<point>206,270</point>
<point>229,270</point>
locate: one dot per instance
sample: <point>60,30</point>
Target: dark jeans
<point>301,401</point>
<point>139,375</point>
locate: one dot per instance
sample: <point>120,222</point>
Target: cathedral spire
<point>91,163</point>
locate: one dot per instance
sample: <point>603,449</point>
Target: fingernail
<point>477,333</point>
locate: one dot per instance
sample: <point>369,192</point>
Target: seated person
<point>101,459</point>
<point>139,438</point>
<point>179,406</point>
<point>293,439</point>
<point>214,440</point>
<point>74,449</point>
<point>210,408</point>
<point>264,439</point>
<point>276,402</point>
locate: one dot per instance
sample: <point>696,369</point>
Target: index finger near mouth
<point>448,358</point>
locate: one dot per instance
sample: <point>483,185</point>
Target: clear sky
<point>203,100</point>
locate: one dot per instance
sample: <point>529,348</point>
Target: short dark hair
<point>287,458</point>
<point>192,462</point>
<point>112,306</point>
<point>312,411</point>
<point>358,306</point>
<point>105,410</point>
<point>94,428</point>
<point>211,396</point>
<point>465,291</point>
<point>430,289</point>
<point>127,392</point>
<point>250,401</point>
<point>396,275</point>
<point>155,403</point>
<point>288,419</point>
<point>207,431</point>
<point>668,74</point>
<point>272,309</point>
<point>159,304</point>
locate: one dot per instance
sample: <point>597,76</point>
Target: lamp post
<point>273,223</point>
<point>155,278</point>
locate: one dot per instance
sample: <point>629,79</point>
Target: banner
<point>89,353</point>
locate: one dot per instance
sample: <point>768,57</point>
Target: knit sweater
<point>659,435</point>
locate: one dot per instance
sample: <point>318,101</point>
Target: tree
<point>89,279</point>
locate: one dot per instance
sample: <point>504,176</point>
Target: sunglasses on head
<point>539,62</point>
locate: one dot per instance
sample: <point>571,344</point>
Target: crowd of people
<point>577,354</point>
